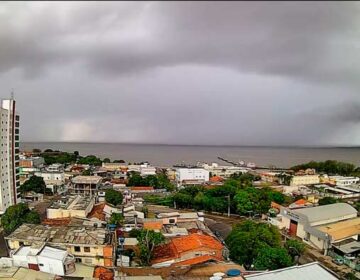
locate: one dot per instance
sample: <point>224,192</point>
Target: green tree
<point>36,151</point>
<point>34,183</point>
<point>135,179</point>
<point>183,200</point>
<point>327,200</point>
<point>113,197</point>
<point>106,160</point>
<point>16,215</point>
<point>119,161</point>
<point>294,247</point>
<point>86,172</point>
<point>272,258</point>
<point>246,239</point>
<point>91,160</point>
<point>116,219</point>
<point>148,240</point>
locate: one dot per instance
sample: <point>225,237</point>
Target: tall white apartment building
<point>9,148</point>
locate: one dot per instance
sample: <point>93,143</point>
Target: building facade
<point>299,180</point>
<point>196,175</point>
<point>9,178</point>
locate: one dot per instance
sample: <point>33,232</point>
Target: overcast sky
<point>238,73</point>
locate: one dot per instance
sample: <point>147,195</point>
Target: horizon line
<point>204,145</point>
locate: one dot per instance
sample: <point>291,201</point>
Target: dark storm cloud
<point>184,72</point>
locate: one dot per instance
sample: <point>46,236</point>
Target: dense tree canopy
<point>247,239</point>
<point>331,167</point>
<point>91,160</point>
<point>327,200</point>
<point>245,199</point>
<point>16,215</point>
<point>158,181</point>
<point>113,197</point>
<point>35,184</point>
<point>272,258</point>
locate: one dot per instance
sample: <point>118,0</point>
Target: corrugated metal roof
<point>327,212</point>
<point>310,271</point>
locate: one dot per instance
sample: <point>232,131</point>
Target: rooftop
<point>327,212</point>
<point>60,234</point>
<point>86,180</point>
<point>98,212</point>
<point>343,229</point>
<point>72,202</point>
<point>141,188</point>
<point>348,246</point>
<point>179,245</point>
<point>310,271</point>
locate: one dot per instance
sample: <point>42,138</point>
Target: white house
<point>45,258</point>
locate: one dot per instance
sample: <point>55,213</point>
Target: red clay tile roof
<point>196,260</point>
<point>216,179</point>
<point>164,252</point>
<point>195,241</point>
<point>142,188</point>
<point>179,245</point>
<point>56,222</point>
<point>103,273</point>
<point>300,202</point>
<point>98,212</point>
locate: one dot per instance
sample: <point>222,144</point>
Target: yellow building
<point>298,180</point>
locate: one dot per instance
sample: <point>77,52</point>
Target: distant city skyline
<point>186,73</point>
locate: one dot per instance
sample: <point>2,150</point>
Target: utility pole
<point>228,205</point>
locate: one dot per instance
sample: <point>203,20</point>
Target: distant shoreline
<point>168,155</point>
<point>199,145</point>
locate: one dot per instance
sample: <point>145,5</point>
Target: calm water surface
<point>167,155</point>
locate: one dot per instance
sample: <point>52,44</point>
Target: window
<point>78,260</point>
<point>171,221</point>
<point>87,249</point>
<point>77,248</point>
<point>88,261</point>
<point>40,264</point>
<point>21,243</point>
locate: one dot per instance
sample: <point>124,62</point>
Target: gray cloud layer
<point>184,72</point>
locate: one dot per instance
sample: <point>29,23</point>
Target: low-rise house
<point>136,190</point>
<point>88,244</point>
<point>300,203</point>
<point>309,271</point>
<point>44,258</point>
<point>73,206</point>
<point>85,185</point>
<point>33,197</point>
<point>52,179</point>
<point>55,167</point>
<point>21,273</point>
<point>152,224</point>
<point>187,248</point>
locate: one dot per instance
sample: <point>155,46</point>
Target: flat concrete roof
<point>310,271</point>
